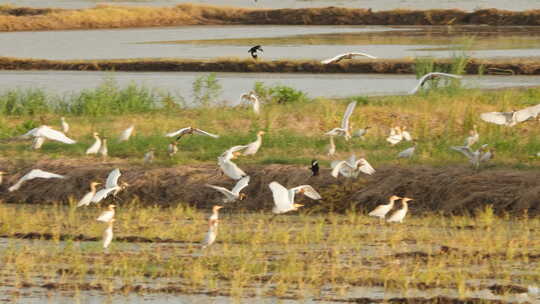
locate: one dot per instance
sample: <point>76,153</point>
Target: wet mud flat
<point>27,19</point>
<point>449,190</point>
<point>405,66</point>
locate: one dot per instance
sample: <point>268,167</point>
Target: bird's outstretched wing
<point>112,178</point>
<point>178,132</point>
<point>347,115</point>
<point>498,118</point>
<point>228,154</point>
<point>281,196</point>
<point>201,132</point>
<point>29,133</point>
<point>363,55</point>
<point>432,75</point>
<point>337,166</point>
<point>464,150</point>
<point>228,193</point>
<point>241,184</point>
<point>126,134</point>
<point>527,113</point>
<point>102,194</point>
<point>35,173</point>
<point>308,191</point>
<point>364,166</point>
<point>335,59</point>
<point>334,132</point>
<point>52,134</point>
<point>231,169</point>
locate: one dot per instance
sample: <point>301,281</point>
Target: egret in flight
<point>234,194</point>
<point>475,157</point>
<point>511,119</point>
<point>35,173</point>
<point>46,132</point>
<point>345,129</point>
<point>431,76</point>
<point>349,55</point>
<point>189,131</point>
<point>351,167</point>
<point>252,98</point>
<point>111,186</point>
<point>284,198</point>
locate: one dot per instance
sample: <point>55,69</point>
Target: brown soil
<point>448,190</point>
<point>434,300</point>
<point>105,16</point>
<point>399,66</point>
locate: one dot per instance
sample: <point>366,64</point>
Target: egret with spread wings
<point>190,131</point>
<point>511,119</point>
<point>234,194</point>
<point>35,173</point>
<point>349,55</point>
<point>351,167</point>
<point>284,198</point>
<point>431,76</point>
<point>345,129</point>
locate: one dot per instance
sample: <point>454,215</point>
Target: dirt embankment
<point>105,16</point>
<point>404,66</point>
<point>449,190</point>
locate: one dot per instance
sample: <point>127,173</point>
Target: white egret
<point>511,119</point>
<point>108,234</point>
<point>475,157</point>
<point>210,237</point>
<point>126,134</point>
<point>65,125</point>
<point>214,217</point>
<point>405,134</point>
<point>349,55</point>
<point>107,215</point>
<point>233,152</point>
<point>149,156</point>
<point>430,76</point>
<point>407,153</point>
<point>345,129</point>
<point>48,133</point>
<point>284,198</point>
<point>253,147</point>
<point>230,169</point>
<point>473,138</point>
<point>172,148</point>
<point>395,137</point>
<point>94,148</point>
<point>190,131</point>
<point>87,198</point>
<point>234,194</point>
<point>382,210</point>
<point>252,98</point>
<point>34,173</point>
<point>331,146</point>
<point>360,133</point>
<point>351,167</point>
<point>399,215</point>
<point>103,150</point>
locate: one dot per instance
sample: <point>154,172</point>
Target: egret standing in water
<point>382,210</point>
<point>399,215</point>
<point>108,234</point>
<point>87,198</point>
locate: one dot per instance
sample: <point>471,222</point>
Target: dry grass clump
<point>107,16</point>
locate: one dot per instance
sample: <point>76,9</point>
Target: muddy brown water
<point>375,5</point>
<point>181,83</point>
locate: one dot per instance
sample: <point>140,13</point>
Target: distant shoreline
<point>108,16</point>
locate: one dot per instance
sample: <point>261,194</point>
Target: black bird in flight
<point>253,51</point>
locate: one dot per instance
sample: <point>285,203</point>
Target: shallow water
<point>515,5</point>
<point>279,42</point>
<point>234,84</point>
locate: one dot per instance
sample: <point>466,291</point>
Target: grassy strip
<point>105,16</point>
<point>389,66</point>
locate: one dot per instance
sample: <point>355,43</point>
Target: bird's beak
<point>219,207</point>
<point>297,205</point>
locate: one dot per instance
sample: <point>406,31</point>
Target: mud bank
<point>105,16</point>
<point>457,190</point>
<point>404,66</point>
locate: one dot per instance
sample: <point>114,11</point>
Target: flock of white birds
<point>284,199</point>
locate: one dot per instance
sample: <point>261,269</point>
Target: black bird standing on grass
<point>253,51</point>
<point>315,167</point>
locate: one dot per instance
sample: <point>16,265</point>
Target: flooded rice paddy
<point>377,5</point>
<point>292,258</point>
<point>299,42</point>
<point>234,84</point>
